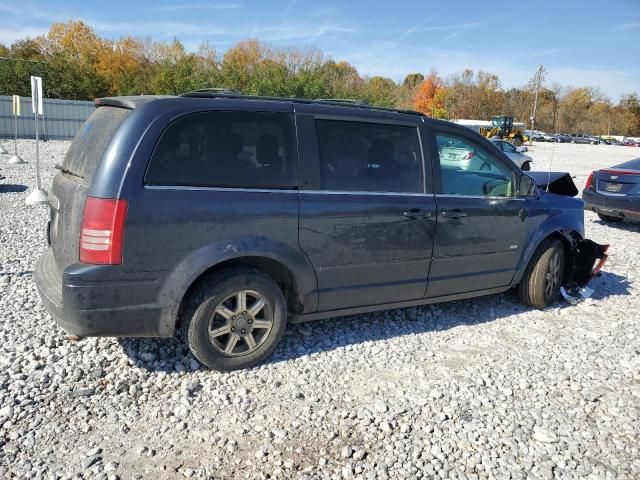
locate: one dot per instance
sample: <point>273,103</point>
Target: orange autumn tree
<point>429,98</point>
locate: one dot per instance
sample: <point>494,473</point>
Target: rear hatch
<point>70,186</point>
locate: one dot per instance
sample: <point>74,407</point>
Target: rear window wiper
<point>68,172</point>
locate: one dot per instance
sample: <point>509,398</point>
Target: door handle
<point>416,213</point>
<point>454,214</point>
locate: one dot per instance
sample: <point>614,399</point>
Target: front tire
<point>609,218</point>
<point>541,282</point>
<point>236,319</point>
<point>526,166</point>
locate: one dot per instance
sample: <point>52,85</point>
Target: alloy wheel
<point>240,323</point>
<point>553,275</point>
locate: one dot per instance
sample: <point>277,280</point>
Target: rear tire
<point>236,319</point>
<point>609,218</point>
<point>541,282</point>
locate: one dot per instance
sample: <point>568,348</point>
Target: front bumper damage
<point>587,260</point>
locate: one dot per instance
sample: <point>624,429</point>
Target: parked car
<point>561,138</point>
<point>515,154</point>
<point>582,139</point>
<point>233,215</point>
<point>614,193</point>
<point>630,143</point>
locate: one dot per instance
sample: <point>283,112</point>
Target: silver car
<point>516,154</point>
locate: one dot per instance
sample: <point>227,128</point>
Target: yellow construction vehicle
<point>502,126</point>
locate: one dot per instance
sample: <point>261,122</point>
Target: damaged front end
<point>560,183</point>
<point>587,260</point>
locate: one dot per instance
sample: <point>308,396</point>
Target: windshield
<point>631,164</point>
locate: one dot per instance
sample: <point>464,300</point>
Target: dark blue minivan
<point>233,215</point>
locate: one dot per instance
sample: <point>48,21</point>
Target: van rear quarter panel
<point>180,232</point>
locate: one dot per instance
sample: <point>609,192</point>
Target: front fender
<point>193,266</point>
<point>569,226</point>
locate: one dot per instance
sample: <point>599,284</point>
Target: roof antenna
<point>553,151</point>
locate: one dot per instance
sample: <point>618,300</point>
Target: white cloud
<point>11,33</point>
<point>156,28</point>
<point>298,31</point>
<point>198,6</point>
<point>383,58</point>
<point>629,25</point>
<point>544,53</point>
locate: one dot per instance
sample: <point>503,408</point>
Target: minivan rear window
<point>226,149</point>
<point>91,142</point>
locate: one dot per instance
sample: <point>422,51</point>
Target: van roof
<point>131,102</point>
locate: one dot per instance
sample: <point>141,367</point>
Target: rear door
<point>367,212</point>
<point>481,223</point>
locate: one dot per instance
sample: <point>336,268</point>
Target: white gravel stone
<point>479,388</point>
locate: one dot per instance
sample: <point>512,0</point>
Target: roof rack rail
<point>213,91</point>
<point>338,102</point>
<point>346,101</point>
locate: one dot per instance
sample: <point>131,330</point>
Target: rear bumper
<point>87,300</point>
<point>615,206</point>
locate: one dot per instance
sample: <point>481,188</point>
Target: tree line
<point>76,63</point>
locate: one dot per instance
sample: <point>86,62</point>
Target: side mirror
<point>527,186</point>
<point>522,149</point>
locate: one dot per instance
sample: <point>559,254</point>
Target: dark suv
<point>233,215</point>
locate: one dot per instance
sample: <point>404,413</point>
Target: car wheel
<point>526,166</point>
<point>609,218</point>
<point>236,319</point>
<point>541,282</point>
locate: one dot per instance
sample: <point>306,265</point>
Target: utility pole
<point>535,101</point>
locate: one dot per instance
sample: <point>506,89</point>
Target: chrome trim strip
<point>220,189</point>
<point>452,195</point>
<point>349,192</point>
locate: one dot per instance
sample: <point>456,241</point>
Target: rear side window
<point>91,142</point>
<point>226,149</point>
<point>369,157</point>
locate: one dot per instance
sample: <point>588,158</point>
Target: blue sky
<point>581,43</point>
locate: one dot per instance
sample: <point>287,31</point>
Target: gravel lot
<point>482,388</point>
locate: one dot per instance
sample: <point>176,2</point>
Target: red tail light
<point>102,231</point>
<point>470,155</point>
<point>590,180</point>
<point>620,172</point>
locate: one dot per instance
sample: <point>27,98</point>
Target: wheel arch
<point>289,268</point>
<point>569,239</point>
<point>277,271</point>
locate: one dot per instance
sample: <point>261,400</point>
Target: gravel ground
<point>482,388</point>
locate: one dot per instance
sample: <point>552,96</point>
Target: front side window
<point>468,169</point>
<point>226,149</point>
<point>369,157</point>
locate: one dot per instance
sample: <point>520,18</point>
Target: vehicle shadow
<point>627,225</point>
<point>11,188</point>
<point>173,356</point>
